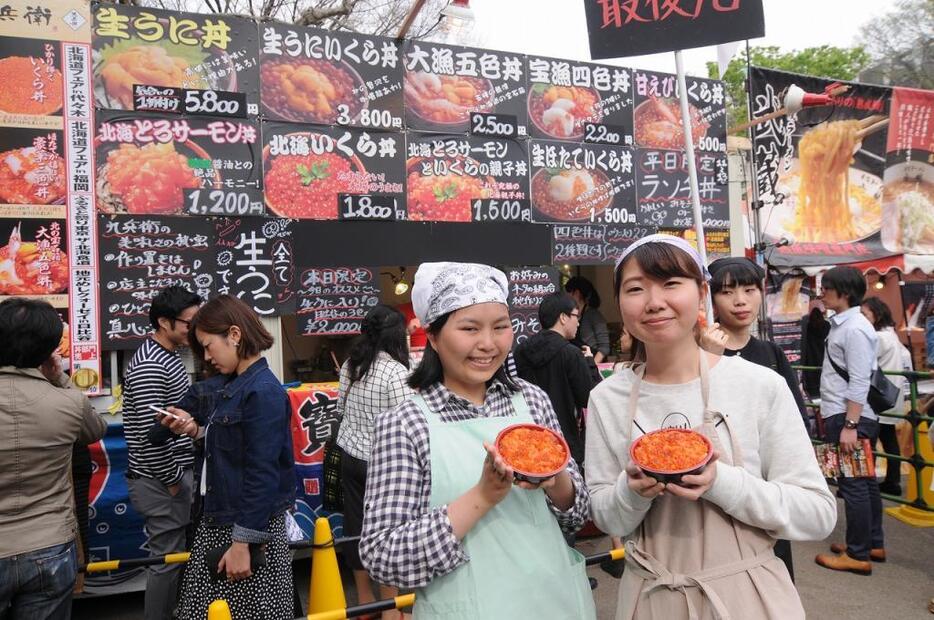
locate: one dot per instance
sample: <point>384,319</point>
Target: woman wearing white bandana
<point>702,548</point>
<point>443,513</point>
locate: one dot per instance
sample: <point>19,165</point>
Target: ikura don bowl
<point>523,446</point>
<point>670,453</point>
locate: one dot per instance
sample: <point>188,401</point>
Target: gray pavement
<point>899,589</point>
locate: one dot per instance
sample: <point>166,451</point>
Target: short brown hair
<point>219,315</point>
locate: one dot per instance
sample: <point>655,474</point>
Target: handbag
<point>883,394</point>
<point>332,499</point>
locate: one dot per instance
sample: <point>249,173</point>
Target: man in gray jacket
<point>41,418</point>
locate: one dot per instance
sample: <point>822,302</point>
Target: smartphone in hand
<point>161,411</point>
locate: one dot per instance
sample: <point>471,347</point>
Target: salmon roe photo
<point>532,450</point>
<point>670,450</point>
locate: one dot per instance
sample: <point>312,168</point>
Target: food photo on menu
<point>306,172</point>
<point>31,74</point>
<point>657,112</point>
<point>164,164</point>
<point>446,175</point>
<point>32,167</point>
<point>33,259</point>
<point>152,47</point>
<point>325,77</point>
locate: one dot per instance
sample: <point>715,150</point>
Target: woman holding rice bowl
<point>445,514</point>
<point>700,545</point>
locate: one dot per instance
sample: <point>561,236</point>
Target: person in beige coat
<point>701,548</point>
<point>41,418</point>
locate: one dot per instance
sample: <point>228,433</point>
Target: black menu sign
<point>582,183</point>
<point>307,170</point>
<point>578,101</point>
<point>329,77</point>
<point>140,256</point>
<point>255,262</point>
<point>618,28</point>
<point>214,54</point>
<point>462,179</point>
<point>164,164</point>
<point>592,244</point>
<point>445,83</point>
<point>528,286</point>
<point>333,301</point>
<point>665,190</point>
<point>657,113</point>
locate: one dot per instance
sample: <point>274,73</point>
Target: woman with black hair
<point>372,380</point>
<point>892,355</point>
<point>444,513</point>
<point>593,331</point>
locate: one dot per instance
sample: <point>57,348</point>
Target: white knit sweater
<point>779,488</point>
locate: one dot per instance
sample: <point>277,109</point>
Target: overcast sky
<point>557,28</point>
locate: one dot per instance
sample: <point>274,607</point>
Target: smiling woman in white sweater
<point>701,548</point>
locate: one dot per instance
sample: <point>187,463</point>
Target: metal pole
<point>692,168</point>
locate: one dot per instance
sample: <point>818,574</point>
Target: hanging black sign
<point>591,244</point>
<point>620,28</point>
<point>333,301</point>
<point>665,190</point>
<point>255,262</point>
<point>140,256</point>
<point>528,286</point>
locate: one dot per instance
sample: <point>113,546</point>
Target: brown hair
<point>219,315</point>
<point>658,261</point>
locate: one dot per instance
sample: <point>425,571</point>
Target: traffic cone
<point>219,610</point>
<point>326,591</point>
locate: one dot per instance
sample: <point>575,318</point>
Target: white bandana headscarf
<point>440,288</point>
<point>678,242</point>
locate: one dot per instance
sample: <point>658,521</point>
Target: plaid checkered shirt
<point>405,542</point>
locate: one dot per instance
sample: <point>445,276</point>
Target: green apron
<point>520,566</point>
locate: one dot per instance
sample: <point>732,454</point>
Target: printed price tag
<point>497,210</point>
<point>221,202</point>
<point>597,133</point>
<point>497,125</point>
<point>380,207</point>
<point>215,103</point>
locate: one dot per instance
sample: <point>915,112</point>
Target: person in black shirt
<point>737,288</point>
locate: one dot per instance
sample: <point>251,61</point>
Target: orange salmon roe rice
<point>532,451</point>
<point>670,450</point>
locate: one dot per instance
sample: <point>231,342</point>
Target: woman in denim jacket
<point>247,480</point>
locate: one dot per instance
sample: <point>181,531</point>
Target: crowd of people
<point>436,507</point>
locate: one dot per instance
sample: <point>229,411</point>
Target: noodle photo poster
<point>820,184</point>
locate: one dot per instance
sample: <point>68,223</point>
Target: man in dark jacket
<point>566,373</point>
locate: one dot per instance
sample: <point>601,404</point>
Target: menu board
<point>307,169</point>
<point>35,66</point>
<point>664,189</point>
<point>528,286</point>
<point>445,83</point>
<point>582,183</point>
<point>140,256</point>
<point>329,77</point>
<point>152,47</point>
<point>657,113</point>
<point>255,262</point>
<point>170,165</point>
<point>34,259</point>
<point>333,301</point>
<point>456,178</point>
<point>716,241</point>
<point>590,244</point>
<point>579,101</point>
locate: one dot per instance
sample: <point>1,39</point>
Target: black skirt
<point>266,594</point>
<point>353,482</point>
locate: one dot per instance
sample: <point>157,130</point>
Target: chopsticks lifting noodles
<point>871,128</point>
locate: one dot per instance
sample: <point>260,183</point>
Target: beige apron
<point>691,560</point>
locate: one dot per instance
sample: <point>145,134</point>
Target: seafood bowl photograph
<point>670,453</point>
<point>308,186</point>
<point>42,95</point>
<point>657,123</point>
<point>444,102</point>
<point>308,90</point>
<point>908,208</point>
<point>562,111</point>
<point>121,64</point>
<point>31,175</point>
<point>149,179</point>
<point>443,198</point>
<point>534,452</point>
<point>577,195</point>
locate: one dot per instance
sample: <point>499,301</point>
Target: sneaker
<point>876,555</point>
<point>843,562</point>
